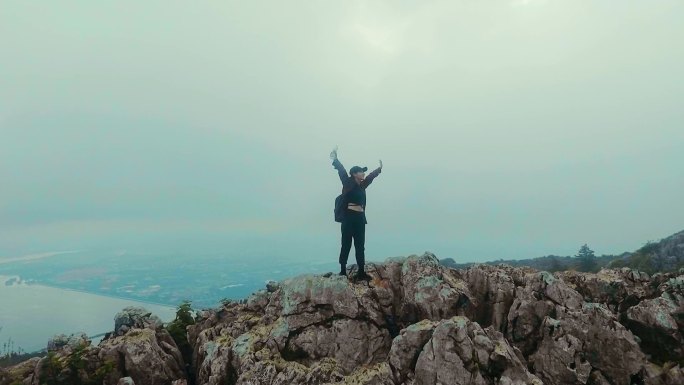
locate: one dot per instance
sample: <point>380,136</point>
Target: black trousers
<point>353,227</point>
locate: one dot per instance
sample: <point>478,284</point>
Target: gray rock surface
<point>461,352</point>
<point>147,356</point>
<point>414,323</point>
<point>144,354</point>
<point>60,341</point>
<point>659,322</point>
<point>135,317</point>
<point>126,381</point>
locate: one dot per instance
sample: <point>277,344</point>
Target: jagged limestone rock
<point>461,352</point>
<point>135,317</point>
<point>416,322</point>
<point>145,355</point>
<point>60,341</point>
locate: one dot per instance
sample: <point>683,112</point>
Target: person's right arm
<point>340,170</point>
<point>338,165</point>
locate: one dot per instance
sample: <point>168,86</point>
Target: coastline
<point>40,311</point>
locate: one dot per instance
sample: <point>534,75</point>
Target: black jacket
<point>349,185</point>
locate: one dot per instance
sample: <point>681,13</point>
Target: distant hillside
<point>551,263</point>
<point>664,255</point>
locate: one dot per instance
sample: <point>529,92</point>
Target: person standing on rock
<point>354,221</point>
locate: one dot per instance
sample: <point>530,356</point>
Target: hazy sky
<point>506,128</point>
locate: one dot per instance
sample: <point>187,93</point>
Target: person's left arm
<point>372,175</point>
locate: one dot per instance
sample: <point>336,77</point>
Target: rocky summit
<point>415,323</point>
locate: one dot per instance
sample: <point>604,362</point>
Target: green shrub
<point>178,329</point>
<point>587,259</point>
<point>649,248</point>
<point>72,369</point>
<point>102,372</point>
<point>51,370</point>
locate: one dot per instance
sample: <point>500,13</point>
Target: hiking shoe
<point>362,276</point>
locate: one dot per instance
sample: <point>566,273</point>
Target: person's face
<point>359,176</point>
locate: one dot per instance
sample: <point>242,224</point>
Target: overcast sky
<point>507,129</point>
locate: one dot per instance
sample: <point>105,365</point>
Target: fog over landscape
<point>506,131</point>
<point>169,175</point>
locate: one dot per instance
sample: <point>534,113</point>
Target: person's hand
<point>380,164</point>
<point>333,153</point>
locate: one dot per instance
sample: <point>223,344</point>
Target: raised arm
<point>338,165</point>
<point>340,170</point>
<point>372,175</point>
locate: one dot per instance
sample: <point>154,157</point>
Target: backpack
<point>339,208</point>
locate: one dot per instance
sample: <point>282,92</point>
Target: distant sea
<point>164,278</point>
<point>30,314</point>
<point>72,291</point>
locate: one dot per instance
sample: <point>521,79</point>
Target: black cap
<point>356,169</point>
